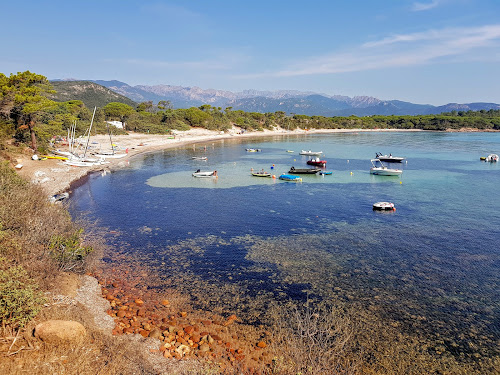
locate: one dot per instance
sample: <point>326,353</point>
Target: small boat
<point>58,197</point>
<point>253,149</point>
<point>384,206</point>
<point>380,169</point>
<point>492,158</point>
<point>106,155</point>
<point>304,170</point>
<point>289,177</point>
<point>289,151</point>
<point>311,153</point>
<point>199,173</point>
<point>199,158</point>
<point>18,166</point>
<point>261,174</point>
<point>389,158</point>
<point>325,172</point>
<point>317,162</point>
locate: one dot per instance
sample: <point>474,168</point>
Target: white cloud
<point>418,7</point>
<point>427,47</point>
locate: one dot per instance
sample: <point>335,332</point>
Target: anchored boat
<point>380,169</point>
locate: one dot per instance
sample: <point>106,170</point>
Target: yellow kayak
<point>54,157</point>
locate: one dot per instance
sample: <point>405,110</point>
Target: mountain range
<point>289,101</point>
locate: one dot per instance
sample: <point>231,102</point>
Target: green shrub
<point>20,300</point>
<point>68,250</point>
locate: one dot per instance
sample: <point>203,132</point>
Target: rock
<point>139,302</point>
<point>57,331</point>
<point>261,344</point>
<point>165,302</point>
<point>156,334</point>
<point>204,348</point>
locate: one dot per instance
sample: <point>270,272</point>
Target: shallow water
<point>236,242</point>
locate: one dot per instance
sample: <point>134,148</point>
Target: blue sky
<point>426,51</point>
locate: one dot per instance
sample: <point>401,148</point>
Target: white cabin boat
<point>311,153</point>
<point>380,169</point>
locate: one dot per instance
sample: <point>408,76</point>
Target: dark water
<point>237,242</point>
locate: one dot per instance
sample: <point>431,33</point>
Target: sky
<point>425,52</point>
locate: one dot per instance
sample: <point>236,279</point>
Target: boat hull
<point>304,170</point>
<point>386,171</point>
<point>291,178</point>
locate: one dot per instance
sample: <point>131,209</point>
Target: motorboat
<point>253,149</point>
<point>380,169</point>
<point>199,158</point>
<point>289,151</point>
<point>389,158</point>
<point>325,172</point>
<point>311,153</point>
<point>291,178</point>
<point>384,206</point>
<point>199,173</point>
<point>261,174</point>
<point>317,162</point>
<point>304,170</point>
<point>492,158</point>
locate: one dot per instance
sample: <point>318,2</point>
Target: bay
<point>237,242</point>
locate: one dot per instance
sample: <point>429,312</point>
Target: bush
<point>68,250</point>
<point>20,299</point>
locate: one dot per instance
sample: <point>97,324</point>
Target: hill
<point>289,101</point>
<point>90,93</point>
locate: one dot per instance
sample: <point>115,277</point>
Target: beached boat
<point>311,153</point>
<point>253,149</point>
<point>380,169</point>
<point>492,158</point>
<point>384,206</point>
<point>389,158</point>
<point>317,162</point>
<point>304,170</point>
<point>58,197</point>
<point>109,155</point>
<point>201,174</point>
<point>289,177</point>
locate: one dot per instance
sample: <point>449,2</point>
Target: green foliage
<point>20,298</point>
<point>68,250</point>
<point>89,93</point>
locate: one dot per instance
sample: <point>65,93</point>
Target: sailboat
<point>110,154</point>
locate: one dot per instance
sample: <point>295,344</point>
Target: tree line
<point>28,114</point>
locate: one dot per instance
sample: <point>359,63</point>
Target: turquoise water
<point>236,242</point>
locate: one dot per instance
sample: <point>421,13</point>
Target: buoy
<point>351,173</point>
<point>348,160</point>
<point>400,182</point>
<point>272,167</point>
<point>274,176</point>
<point>251,169</point>
<point>294,159</point>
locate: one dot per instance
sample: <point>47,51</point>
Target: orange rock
<point>165,302</point>
<point>167,354</point>
<point>109,297</point>
<point>139,302</point>
<point>120,314</point>
<point>261,344</point>
<point>189,330</point>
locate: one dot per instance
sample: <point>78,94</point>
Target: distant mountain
<point>289,101</point>
<point>90,93</point>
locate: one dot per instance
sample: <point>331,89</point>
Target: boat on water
<point>304,170</point>
<point>325,172</point>
<point>261,174</point>
<point>317,162</point>
<point>289,151</point>
<point>291,178</point>
<point>199,158</point>
<point>253,149</point>
<point>492,158</point>
<point>389,158</point>
<point>201,174</point>
<point>384,206</point>
<point>311,153</point>
<point>380,169</point>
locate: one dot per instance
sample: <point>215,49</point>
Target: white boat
<point>492,158</point>
<point>384,206</point>
<point>58,197</point>
<point>106,155</point>
<point>311,153</point>
<point>380,169</point>
<point>253,149</point>
<point>389,158</point>
<point>199,173</point>
<point>199,158</point>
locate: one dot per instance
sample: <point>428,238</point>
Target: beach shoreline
<point>55,177</point>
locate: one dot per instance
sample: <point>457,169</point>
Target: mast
<point>88,138</point>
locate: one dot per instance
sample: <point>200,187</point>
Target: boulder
<point>57,331</point>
